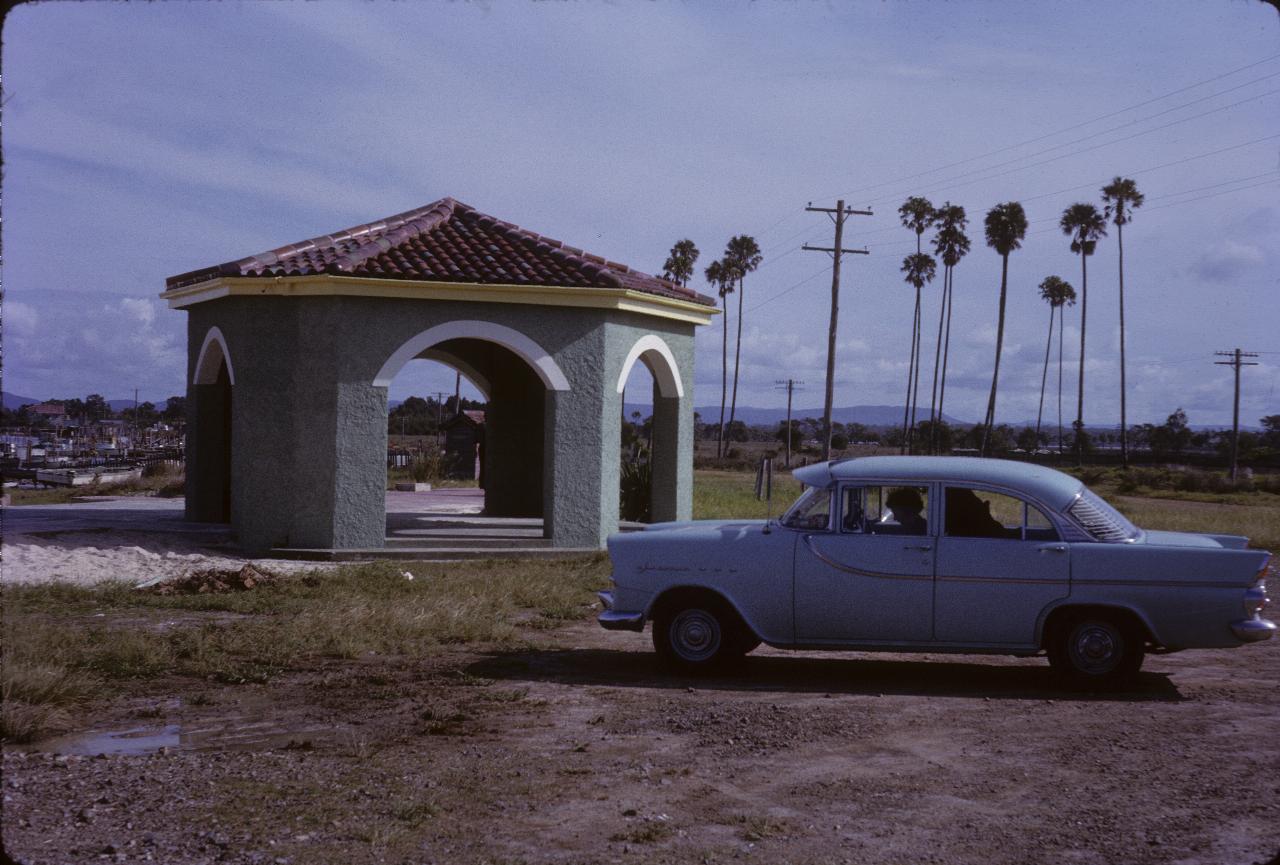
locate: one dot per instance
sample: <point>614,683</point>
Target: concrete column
<point>583,431</point>
<point>672,497</point>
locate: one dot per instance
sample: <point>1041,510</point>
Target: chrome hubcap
<point>695,635</point>
<point>1096,649</point>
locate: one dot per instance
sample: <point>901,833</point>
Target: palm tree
<point>916,214</point>
<point>1006,225</point>
<point>1084,225</point>
<point>919,268</point>
<point>741,255</point>
<point>1121,197</point>
<point>679,264</point>
<point>1057,292</point>
<point>951,244</point>
<point>718,275</point>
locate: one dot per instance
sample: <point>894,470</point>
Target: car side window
<point>851,510</point>
<point>973,513</point>
<point>811,511</point>
<point>891,510</point>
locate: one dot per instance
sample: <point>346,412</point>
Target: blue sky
<point>144,140</point>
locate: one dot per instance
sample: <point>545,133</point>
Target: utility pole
<point>440,395</point>
<point>837,214</point>
<point>1236,361</point>
<point>134,440</point>
<point>790,384</point>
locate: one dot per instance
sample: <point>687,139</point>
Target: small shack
<point>464,446</point>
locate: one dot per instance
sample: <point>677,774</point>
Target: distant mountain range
<point>867,415</point>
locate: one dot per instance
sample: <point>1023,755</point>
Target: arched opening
<point>436,407</point>
<point>650,428</point>
<point>209,451</point>
<point>514,374</point>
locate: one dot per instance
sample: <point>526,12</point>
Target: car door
<point>868,577</point>
<point>1000,562</point>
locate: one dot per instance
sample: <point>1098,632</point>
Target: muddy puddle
<point>237,734</point>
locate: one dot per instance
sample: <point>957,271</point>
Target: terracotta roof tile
<point>444,241</point>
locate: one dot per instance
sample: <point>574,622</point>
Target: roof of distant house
<point>50,408</point>
<point>445,241</point>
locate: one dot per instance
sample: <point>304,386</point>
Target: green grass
<point>58,651</point>
<point>731,495</point>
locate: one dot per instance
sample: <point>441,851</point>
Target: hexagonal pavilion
<point>291,352</point>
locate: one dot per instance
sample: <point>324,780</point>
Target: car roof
<point>1050,486</point>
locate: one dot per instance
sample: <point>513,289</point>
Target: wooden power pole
<point>837,214</point>
<point>1236,361</point>
<point>790,384</point>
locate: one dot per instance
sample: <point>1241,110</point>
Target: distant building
<point>464,446</point>
<point>55,413</point>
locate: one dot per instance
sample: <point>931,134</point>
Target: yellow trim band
<point>328,285</point>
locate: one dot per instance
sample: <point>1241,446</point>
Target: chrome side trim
<point>1191,584</point>
<point>1011,580</point>
<point>1253,630</point>
<point>849,569</point>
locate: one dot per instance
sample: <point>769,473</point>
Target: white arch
<point>469,372</point>
<point>657,356</point>
<point>532,353</point>
<point>213,353</point>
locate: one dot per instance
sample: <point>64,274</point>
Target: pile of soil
<point>213,580</point>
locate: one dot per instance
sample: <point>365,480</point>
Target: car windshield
<point>811,511</point>
<point>1100,520</point>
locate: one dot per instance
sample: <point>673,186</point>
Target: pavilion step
<point>429,554</point>
<point>463,541</point>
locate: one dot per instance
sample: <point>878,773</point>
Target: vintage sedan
<point>938,554</point>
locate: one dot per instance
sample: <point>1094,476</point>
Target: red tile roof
<point>446,241</point>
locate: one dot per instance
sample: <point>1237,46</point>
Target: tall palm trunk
<point>946,347</point>
<point>1044,376</point>
<point>724,381</point>
<point>995,375</point>
<point>906,401</point>
<point>915,387</point>
<point>1124,424</point>
<point>737,356</point>
<point>937,357</point>
<point>1061,318</point>
<point>1084,315</point>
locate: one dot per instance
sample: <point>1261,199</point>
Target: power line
<point>1074,153</point>
<point>1067,128</point>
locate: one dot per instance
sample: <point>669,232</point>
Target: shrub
<point>635,485</point>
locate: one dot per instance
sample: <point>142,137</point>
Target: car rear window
<point>1100,520</point>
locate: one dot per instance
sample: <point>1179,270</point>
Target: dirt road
<point>576,750</point>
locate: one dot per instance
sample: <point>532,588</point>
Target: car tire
<point>696,637</point>
<point>1096,652</point>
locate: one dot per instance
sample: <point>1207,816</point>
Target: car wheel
<point>1095,651</point>
<point>694,638</point>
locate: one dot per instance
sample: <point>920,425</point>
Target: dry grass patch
<point>75,639</point>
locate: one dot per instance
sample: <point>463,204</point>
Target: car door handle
<point>1053,548</point>
<point>924,547</point>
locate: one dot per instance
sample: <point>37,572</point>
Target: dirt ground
<point>577,750</point>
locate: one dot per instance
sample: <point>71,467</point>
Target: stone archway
<point>670,487</point>
<point>209,442</point>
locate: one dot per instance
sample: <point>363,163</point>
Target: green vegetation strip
<point>58,651</point>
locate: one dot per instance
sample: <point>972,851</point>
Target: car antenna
<point>764,489</point>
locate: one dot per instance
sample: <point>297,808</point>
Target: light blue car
<point>938,554</point>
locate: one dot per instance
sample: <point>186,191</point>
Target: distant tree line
<point>418,417</point>
<point>94,408</point>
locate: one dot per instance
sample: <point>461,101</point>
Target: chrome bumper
<point>613,620</point>
<point>1253,630</point>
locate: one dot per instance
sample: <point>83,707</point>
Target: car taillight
<point>1255,599</point>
